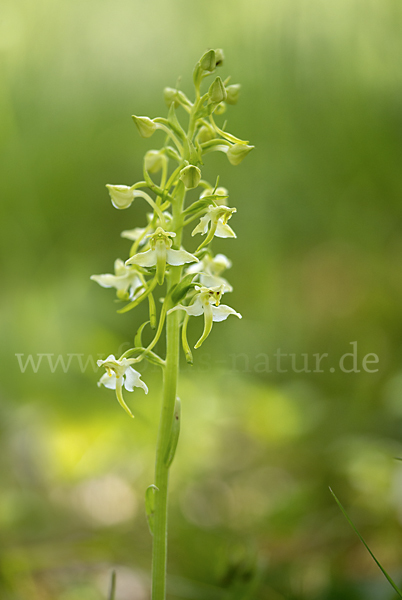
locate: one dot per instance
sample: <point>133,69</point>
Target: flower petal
<point>220,262</point>
<point>108,281</point>
<point>133,234</point>
<point>108,381</point>
<point>195,268</point>
<point>211,281</point>
<point>110,358</point>
<point>179,257</point>
<point>202,226</point>
<point>143,259</point>
<point>194,310</point>
<point>222,312</point>
<point>119,267</point>
<point>132,380</point>
<point>224,231</point>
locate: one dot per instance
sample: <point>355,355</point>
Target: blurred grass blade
<point>398,591</point>
<point>112,589</point>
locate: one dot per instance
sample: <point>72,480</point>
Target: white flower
<point>218,216</point>
<point>161,253</point>
<point>203,304</point>
<point>119,373</point>
<point>125,280</point>
<point>210,269</point>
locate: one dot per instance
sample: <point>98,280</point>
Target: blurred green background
<point>316,266</point>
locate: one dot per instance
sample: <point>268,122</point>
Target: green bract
<point>191,277</point>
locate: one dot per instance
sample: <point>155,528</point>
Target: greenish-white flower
<point>209,271</point>
<point>207,302</point>
<point>218,217</point>
<point>125,280</point>
<point>161,253</point>
<point>119,373</point>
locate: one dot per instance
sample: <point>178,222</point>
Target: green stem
<point>159,550</point>
<point>170,379</point>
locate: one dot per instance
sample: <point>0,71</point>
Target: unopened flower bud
<point>170,95</point>
<point>217,92</point>
<point>145,125</point>
<point>237,152</point>
<point>232,92</point>
<point>121,195</point>
<point>190,176</point>
<point>205,134</point>
<point>219,57</point>
<point>208,61</point>
<point>154,161</point>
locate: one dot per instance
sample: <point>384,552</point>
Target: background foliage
<point>316,266</point>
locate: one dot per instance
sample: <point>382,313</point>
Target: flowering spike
<point>194,281</point>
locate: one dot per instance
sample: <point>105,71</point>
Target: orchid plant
<point>192,281</point>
